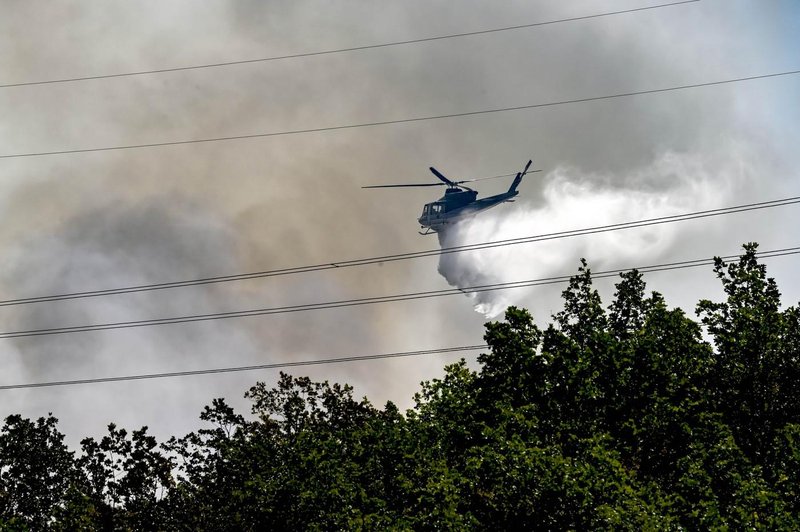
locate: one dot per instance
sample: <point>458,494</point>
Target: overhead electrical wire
<point>281,365</point>
<point>400,120</point>
<point>276,365</point>
<point>340,50</point>
<point>374,300</point>
<point>407,256</point>
<point>364,301</point>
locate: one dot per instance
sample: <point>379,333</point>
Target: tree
<point>37,472</point>
<point>622,417</point>
<point>755,377</point>
<point>127,477</point>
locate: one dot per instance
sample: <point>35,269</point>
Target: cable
<point>371,300</point>
<point>407,256</point>
<point>398,121</point>
<point>339,50</point>
<point>277,365</point>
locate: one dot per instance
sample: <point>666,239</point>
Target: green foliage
<point>126,477</point>
<point>36,472</point>
<point>610,418</point>
<point>756,372</point>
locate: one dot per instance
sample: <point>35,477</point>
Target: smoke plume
<point>673,184</point>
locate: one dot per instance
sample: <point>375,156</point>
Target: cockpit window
<point>433,209</point>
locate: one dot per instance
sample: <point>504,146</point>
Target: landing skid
<point>428,231</point>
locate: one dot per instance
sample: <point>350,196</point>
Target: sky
<point>106,219</point>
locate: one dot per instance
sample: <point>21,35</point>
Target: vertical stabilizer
<point>517,180</point>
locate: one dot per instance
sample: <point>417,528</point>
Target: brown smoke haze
<point>107,219</point>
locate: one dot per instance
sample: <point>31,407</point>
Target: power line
<point>410,255</point>
<point>399,121</point>
<point>340,50</point>
<point>372,300</point>
<point>278,365</point>
<point>210,371</point>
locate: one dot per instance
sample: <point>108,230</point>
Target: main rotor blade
<point>454,183</point>
<point>491,177</point>
<point>406,185</point>
<point>438,174</point>
<point>484,178</point>
<point>527,166</point>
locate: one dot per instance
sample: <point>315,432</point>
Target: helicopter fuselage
<point>457,204</point>
<point>459,201</point>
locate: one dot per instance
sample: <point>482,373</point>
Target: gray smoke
<point>672,184</point>
<point>107,219</point>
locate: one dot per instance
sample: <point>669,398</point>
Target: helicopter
<point>459,201</point>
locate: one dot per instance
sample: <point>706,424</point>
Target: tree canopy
<point>618,417</point>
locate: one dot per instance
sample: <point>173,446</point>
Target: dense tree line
<point>623,417</point>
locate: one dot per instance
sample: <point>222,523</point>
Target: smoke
<point>673,184</point>
<point>118,245</point>
<point>117,218</point>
